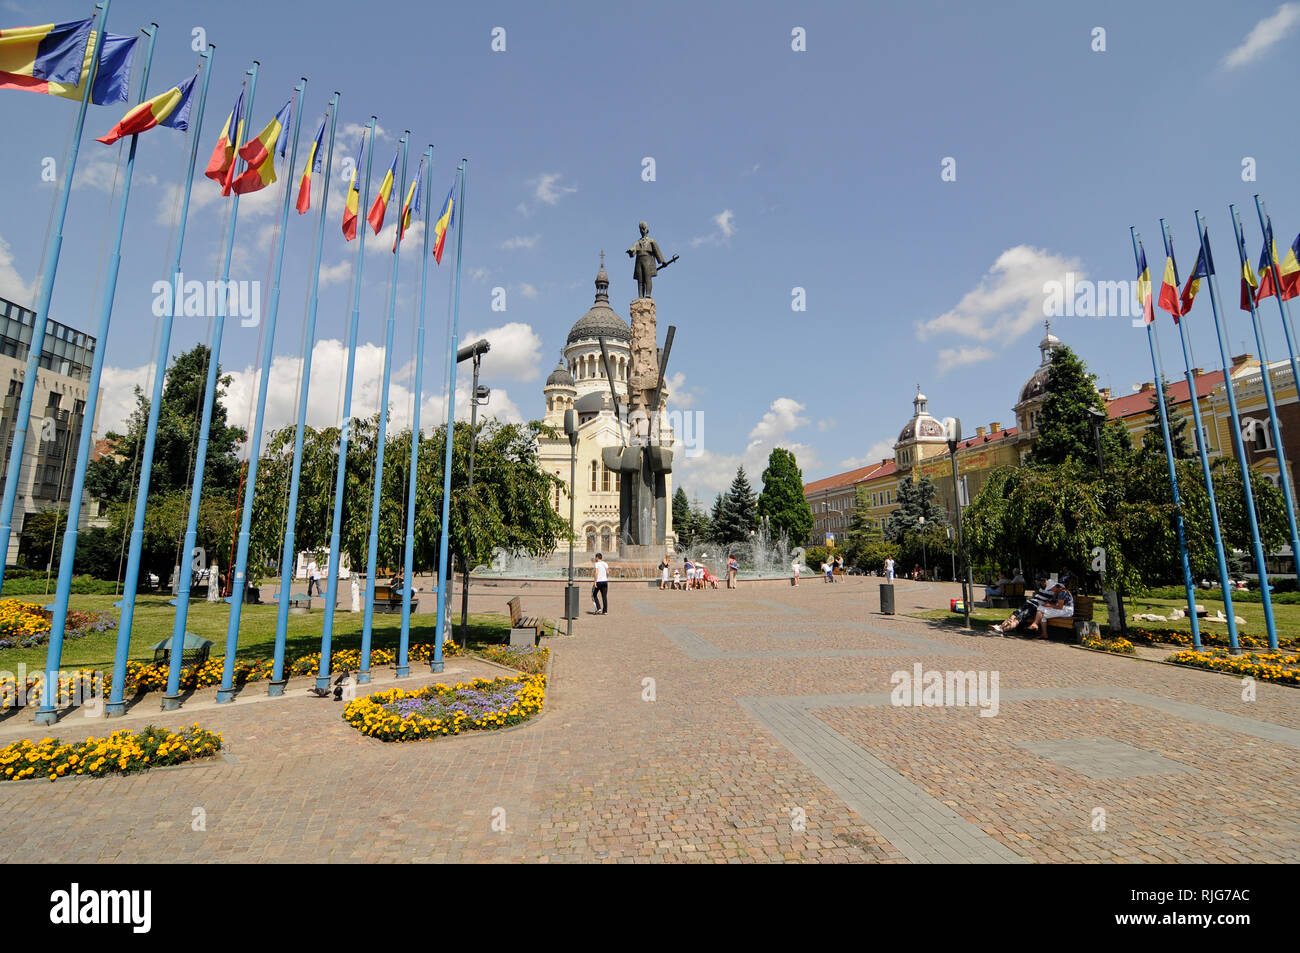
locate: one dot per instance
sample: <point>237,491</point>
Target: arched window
<point>594,467</point>
<point>591,539</point>
<point>604,480</point>
<point>606,540</point>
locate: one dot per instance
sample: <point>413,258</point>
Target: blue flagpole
<point>1224,583</point>
<point>1284,313</point>
<point>345,424</point>
<point>52,250</point>
<point>1284,478</point>
<point>1169,459</point>
<point>226,693</point>
<point>68,554</point>
<point>444,573</point>
<point>172,699</point>
<point>376,495</point>
<point>289,557</point>
<point>1261,565</point>
<point>403,663</point>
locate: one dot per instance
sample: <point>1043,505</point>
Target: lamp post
<point>478,395</point>
<point>925,559</point>
<point>952,430</point>
<point>952,552</point>
<point>570,590</point>
<point>1097,419</point>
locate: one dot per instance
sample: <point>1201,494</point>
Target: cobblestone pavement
<point>771,736</point>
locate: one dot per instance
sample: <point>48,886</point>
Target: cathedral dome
<point>1036,387</point>
<point>922,426</point>
<point>600,321</point>
<point>560,377</point>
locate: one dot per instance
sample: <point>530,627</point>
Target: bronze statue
<point>648,261</point>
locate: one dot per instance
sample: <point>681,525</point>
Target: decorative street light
<point>925,561</point>
<point>571,591</point>
<point>477,395</point>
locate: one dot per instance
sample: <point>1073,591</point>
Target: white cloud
<point>1009,298</point>
<point>682,398</point>
<point>527,290</point>
<point>103,174</point>
<point>117,395</point>
<point>1264,35</point>
<point>951,357</point>
<point>479,274</point>
<point>878,451</point>
<point>336,273</point>
<point>781,417</point>
<point>549,190</point>
<point>516,351</point>
<point>12,285</point>
<point>724,227</point>
<point>352,131</point>
<point>520,241</point>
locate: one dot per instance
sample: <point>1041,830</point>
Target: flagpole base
<point>171,703</point>
<point>403,671</point>
<point>225,696</point>
<point>276,689</point>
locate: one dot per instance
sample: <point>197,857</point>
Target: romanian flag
<point>444,223</point>
<point>1169,289</point>
<point>1248,285</point>
<point>313,165</point>
<point>353,201</point>
<point>1290,270</point>
<point>1202,269</point>
<point>171,109</point>
<point>410,207</point>
<point>221,167</point>
<point>260,153</point>
<point>54,59</point>
<point>1143,284</point>
<point>1267,258</point>
<point>376,214</point>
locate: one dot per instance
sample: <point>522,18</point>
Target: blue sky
<point>775,169</point>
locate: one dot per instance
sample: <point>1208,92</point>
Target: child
<point>677,579</point>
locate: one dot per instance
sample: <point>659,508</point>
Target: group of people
<point>694,574</point>
<point>1051,599</point>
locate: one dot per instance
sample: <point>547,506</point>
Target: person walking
<point>602,584</point>
<point>733,567</point>
<point>313,576</point>
<point>794,568</point>
<point>889,568</point>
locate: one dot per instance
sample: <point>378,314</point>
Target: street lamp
<point>925,560</point>
<point>478,395</point>
<point>952,431</point>
<point>571,591</point>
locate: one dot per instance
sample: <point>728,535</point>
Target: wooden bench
<point>520,626</point>
<point>1075,628</point>
<point>389,599</point>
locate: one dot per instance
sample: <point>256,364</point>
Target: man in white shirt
<point>602,584</point>
<point>313,576</point>
<point>889,568</point>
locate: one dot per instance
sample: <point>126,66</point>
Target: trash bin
<point>572,604</point>
<point>887,598</point>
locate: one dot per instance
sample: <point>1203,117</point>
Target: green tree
<point>738,515</point>
<point>782,501</point>
<point>683,519</point>
<point>1064,423</point>
<point>113,478</point>
<point>1153,437</point>
<point>866,546</point>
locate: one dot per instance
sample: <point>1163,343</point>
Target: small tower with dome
<point>922,437</point>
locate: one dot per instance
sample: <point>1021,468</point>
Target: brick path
<point>771,737</point>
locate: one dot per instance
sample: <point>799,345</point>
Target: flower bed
<point>528,658</point>
<point>26,626</point>
<point>1265,666</point>
<point>1150,636</point>
<point>142,677</point>
<point>1117,645</point>
<point>122,752</point>
<point>482,704</point>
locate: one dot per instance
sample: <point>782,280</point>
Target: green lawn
<point>154,619</point>
<point>1286,617</point>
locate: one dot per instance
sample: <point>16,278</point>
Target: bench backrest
<point>515,612</point>
<point>1083,608</point>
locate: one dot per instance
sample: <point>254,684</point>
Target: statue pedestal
<point>643,500</point>
<point>643,377</point>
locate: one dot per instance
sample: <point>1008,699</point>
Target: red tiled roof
<point>1140,402</point>
<point>889,467</point>
<point>844,479</point>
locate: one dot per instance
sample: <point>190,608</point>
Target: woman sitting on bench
<point>1028,613</point>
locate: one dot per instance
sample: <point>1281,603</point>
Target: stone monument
<point>642,460</point>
